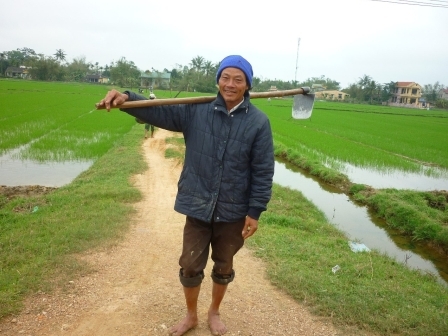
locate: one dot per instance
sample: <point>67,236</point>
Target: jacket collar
<point>219,102</point>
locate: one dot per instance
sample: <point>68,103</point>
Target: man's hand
<point>112,99</point>
<point>250,227</point>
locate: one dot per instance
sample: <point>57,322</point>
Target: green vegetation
<point>370,292</point>
<point>378,137</point>
<point>422,215</point>
<point>375,137</point>
<point>197,76</point>
<point>175,148</point>
<point>58,121</point>
<point>36,247</point>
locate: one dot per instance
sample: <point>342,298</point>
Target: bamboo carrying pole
<point>203,99</point>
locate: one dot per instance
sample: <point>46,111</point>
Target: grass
<point>381,139</point>
<point>57,122</point>
<point>371,292</point>
<point>93,210</point>
<point>422,215</point>
<point>175,148</point>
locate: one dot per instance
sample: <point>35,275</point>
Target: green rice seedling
<point>371,140</point>
<point>59,122</point>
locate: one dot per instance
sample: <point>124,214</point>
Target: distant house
<point>103,80</point>
<point>17,72</point>
<point>443,94</point>
<point>96,78</point>
<point>407,94</point>
<point>155,79</point>
<point>332,95</point>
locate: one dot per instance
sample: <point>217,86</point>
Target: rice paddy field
<point>57,121</point>
<point>374,137</point>
<point>50,122</point>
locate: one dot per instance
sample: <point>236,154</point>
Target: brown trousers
<point>225,240</point>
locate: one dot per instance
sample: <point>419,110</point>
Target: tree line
<point>198,75</point>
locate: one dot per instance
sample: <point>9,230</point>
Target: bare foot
<point>215,324</point>
<point>187,323</point>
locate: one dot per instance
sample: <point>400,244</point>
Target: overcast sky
<point>342,40</point>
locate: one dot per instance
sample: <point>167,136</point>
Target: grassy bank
<point>370,291</point>
<point>36,247</point>
<point>421,215</point>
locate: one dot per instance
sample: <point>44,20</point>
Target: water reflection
<point>397,179</point>
<point>358,224</point>
<point>16,172</point>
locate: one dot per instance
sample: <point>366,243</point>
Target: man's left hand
<point>250,226</point>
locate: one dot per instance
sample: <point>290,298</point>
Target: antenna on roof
<point>297,60</point>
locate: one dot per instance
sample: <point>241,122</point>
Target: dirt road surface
<point>134,288</point>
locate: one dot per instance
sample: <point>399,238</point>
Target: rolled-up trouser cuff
<point>223,279</point>
<point>191,282</point>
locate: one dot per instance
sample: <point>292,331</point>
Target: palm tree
<point>371,87</point>
<point>208,68</point>
<point>364,81</point>
<point>60,55</point>
<point>197,64</point>
<point>365,84</point>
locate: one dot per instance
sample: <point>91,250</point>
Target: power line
<point>416,3</point>
<point>424,3</point>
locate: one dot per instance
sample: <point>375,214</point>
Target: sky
<point>341,40</point>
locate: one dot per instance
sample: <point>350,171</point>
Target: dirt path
<point>135,290</point>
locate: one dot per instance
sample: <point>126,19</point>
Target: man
<point>149,126</point>
<point>225,183</point>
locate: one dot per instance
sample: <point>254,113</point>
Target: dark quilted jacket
<point>229,159</point>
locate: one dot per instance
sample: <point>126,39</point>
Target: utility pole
<point>297,61</point>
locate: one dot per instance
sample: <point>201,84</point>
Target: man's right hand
<point>112,99</point>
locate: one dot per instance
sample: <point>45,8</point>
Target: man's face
<point>232,85</point>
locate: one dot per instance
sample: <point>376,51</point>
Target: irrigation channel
<point>357,222</point>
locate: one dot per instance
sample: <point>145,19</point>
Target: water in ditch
<point>359,224</point>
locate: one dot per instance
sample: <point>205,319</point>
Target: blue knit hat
<point>236,61</point>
